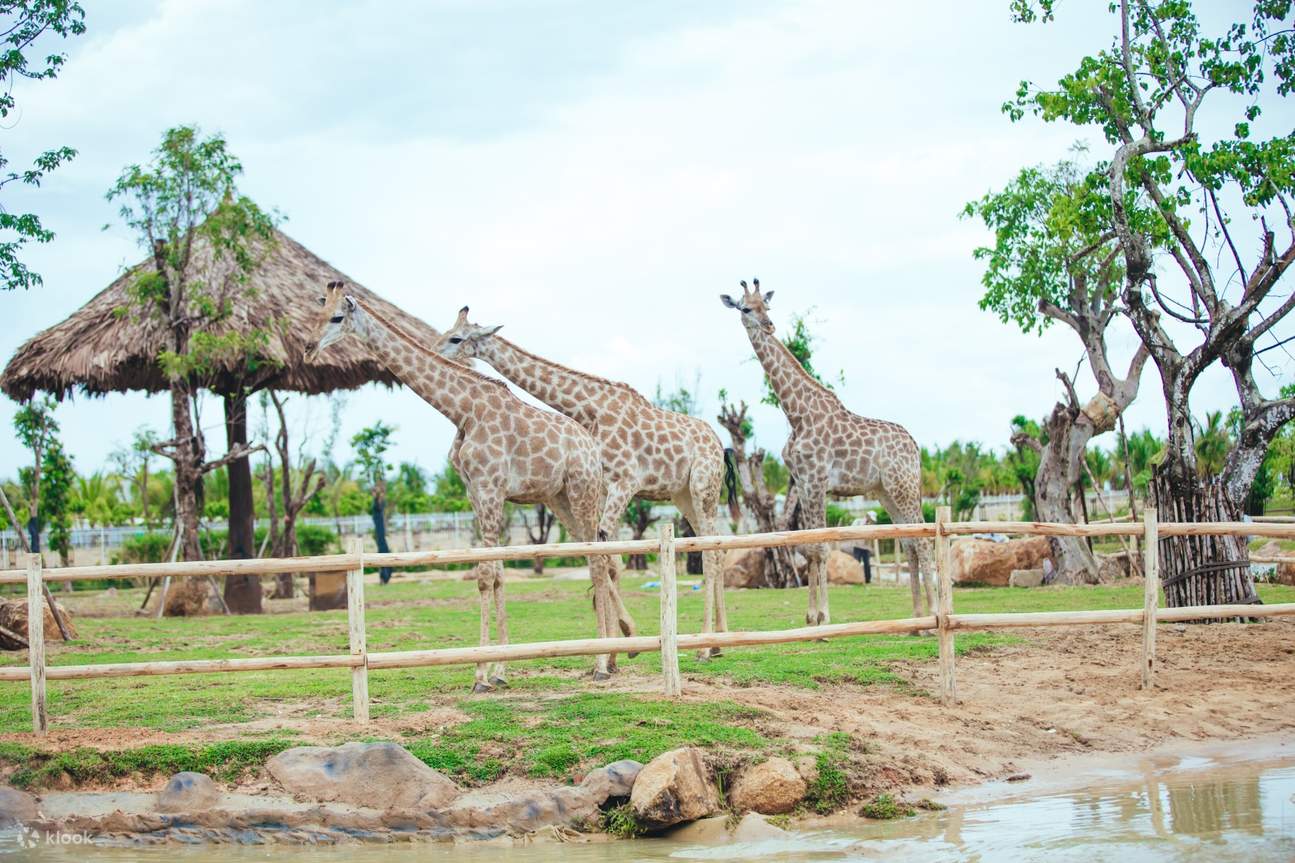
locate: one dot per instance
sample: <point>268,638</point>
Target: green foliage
<point>800,341</point>
<point>621,822</point>
<point>225,761</point>
<point>681,399</point>
<point>371,444</point>
<point>56,480</point>
<point>313,539</point>
<point>776,475</point>
<point>884,807</point>
<point>838,516</point>
<point>23,23</point>
<point>144,548</point>
<point>1212,445</point>
<point>189,191</point>
<point>830,789</point>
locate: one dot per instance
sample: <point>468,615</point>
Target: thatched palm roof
<point>99,349</point>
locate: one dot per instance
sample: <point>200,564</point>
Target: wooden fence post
<point>36,643</point>
<point>944,606</point>
<point>1150,595</point>
<point>669,612</point>
<point>355,624</point>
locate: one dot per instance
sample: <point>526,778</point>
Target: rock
<point>1286,573</point>
<point>327,591</point>
<point>528,810</point>
<point>377,775</point>
<point>704,831</point>
<point>614,780</point>
<point>1114,567</point>
<point>1026,578</point>
<point>807,767</point>
<point>986,562</point>
<point>188,792</point>
<point>842,568</point>
<point>755,828</point>
<point>771,788</point>
<point>189,597</point>
<point>673,788</point>
<point>744,568</point>
<point>13,617</point>
<point>16,807</point>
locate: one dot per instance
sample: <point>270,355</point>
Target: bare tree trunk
<point>1200,570</point>
<point>539,535</point>
<point>779,569</point>
<point>243,593</point>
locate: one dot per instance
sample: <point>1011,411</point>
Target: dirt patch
<point>1057,693</point>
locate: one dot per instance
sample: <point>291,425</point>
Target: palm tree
<point>1212,445</point>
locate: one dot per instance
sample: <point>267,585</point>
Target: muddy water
<point>1179,809</point>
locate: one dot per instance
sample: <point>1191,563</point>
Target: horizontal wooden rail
<point>184,666</point>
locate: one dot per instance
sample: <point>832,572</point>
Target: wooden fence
<point>669,642</point>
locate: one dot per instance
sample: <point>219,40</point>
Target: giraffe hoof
<point>703,656</point>
<point>480,688</point>
<point>600,676</point>
<point>498,683</point>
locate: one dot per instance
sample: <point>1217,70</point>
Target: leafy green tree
<point>187,194</point>
<point>371,444</point>
<point>23,24</point>
<point>1212,444</point>
<point>1144,94</point>
<point>56,482</point>
<point>37,430</point>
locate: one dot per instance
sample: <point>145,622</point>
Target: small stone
<point>1025,578</point>
<point>754,827</point>
<point>771,787</point>
<point>16,807</point>
<point>673,788</point>
<point>188,792</point>
<point>807,767</point>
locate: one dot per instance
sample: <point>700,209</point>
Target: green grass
<point>552,722</point>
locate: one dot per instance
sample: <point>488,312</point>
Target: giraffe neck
<point>445,385</point>
<point>570,392</point>
<point>793,385</point>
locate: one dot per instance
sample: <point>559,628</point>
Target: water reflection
<point>1215,813</point>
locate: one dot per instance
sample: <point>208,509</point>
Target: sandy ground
<point>1022,707</point>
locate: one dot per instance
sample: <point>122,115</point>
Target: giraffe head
<point>754,306</point>
<point>337,317</point>
<point>463,340</point>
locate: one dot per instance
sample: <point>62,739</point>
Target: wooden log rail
<point>669,643</point>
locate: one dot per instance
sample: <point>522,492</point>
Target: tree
<point>1056,258</point>
<point>56,481</point>
<point>370,445</point>
<point>1145,94</point>
<point>295,496</point>
<point>1027,447</point>
<point>760,499</point>
<point>23,23</point>
<point>188,192</point>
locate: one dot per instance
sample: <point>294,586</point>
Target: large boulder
<point>771,788</point>
<point>673,788</point>
<point>377,775</point>
<point>992,563</point>
<point>189,597</point>
<point>1286,573</point>
<point>13,617</point>
<point>1115,567</point>
<point>842,568</point>
<point>16,807</point>
<point>744,568</point>
<point>531,809</point>
<point>188,792</point>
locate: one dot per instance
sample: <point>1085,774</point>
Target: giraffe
<point>647,452</point>
<point>833,451</point>
<point>504,449</point>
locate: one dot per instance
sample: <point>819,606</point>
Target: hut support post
<point>36,643</point>
<point>1150,595</point>
<point>669,613</point>
<point>355,624</point>
<point>944,606</point>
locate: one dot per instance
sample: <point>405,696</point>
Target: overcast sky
<point>592,176</point>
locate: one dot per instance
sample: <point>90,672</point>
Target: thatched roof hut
<point>99,349</point>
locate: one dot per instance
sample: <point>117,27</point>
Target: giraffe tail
<point>730,483</point>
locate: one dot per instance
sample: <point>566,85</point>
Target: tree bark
<point>379,513</point>
<point>1200,570</point>
<point>242,592</point>
<point>779,570</point>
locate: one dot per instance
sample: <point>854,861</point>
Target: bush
<point>314,539</point>
<point>838,516</point>
<point>144,548</point>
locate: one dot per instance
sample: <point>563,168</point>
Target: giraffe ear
<point>768,297</point>
<point>490,331</point>
<point>351,305</point>
<point>463,316</point>
<point>728,301</point>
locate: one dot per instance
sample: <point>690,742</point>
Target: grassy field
<point>552,722</point>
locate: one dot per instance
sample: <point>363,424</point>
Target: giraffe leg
<point>688,507</point>
<point>618,497</point>
<point>582,528</point>
<point>813,513</point>
<point>483,595</point>
<point>501,620</point>
<point>906,508</point>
